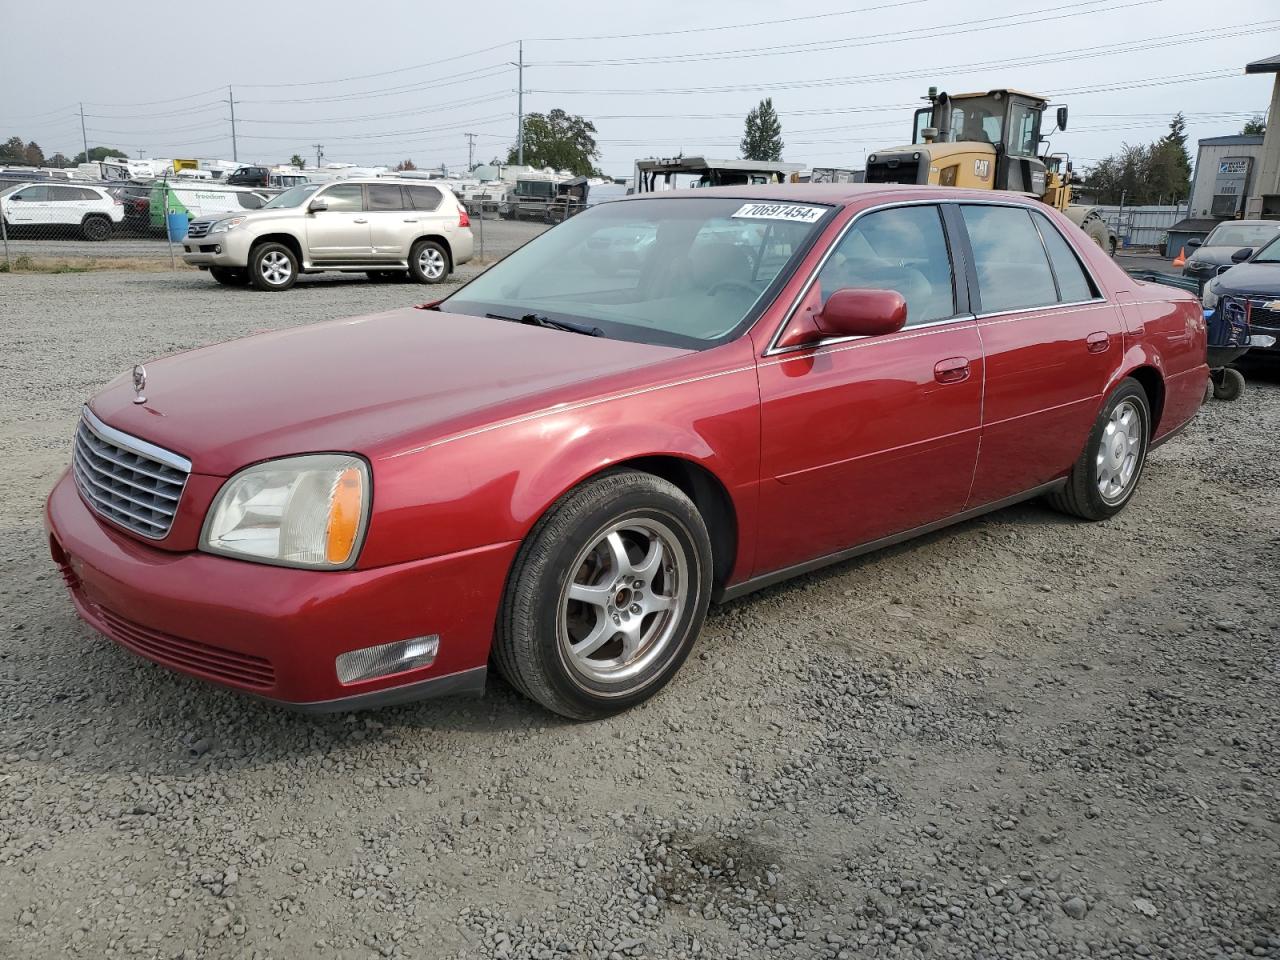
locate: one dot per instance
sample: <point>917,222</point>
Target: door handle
<point>407,220</point>
<point>1098,342</point>
<point>951,370</point>
<point>359,221</point>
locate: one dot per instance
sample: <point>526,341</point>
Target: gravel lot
<point>1021,737</point>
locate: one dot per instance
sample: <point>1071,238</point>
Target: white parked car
<point>39,205</point>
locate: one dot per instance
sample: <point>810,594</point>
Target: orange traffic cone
<point>1181,259</point>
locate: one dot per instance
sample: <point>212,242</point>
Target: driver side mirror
<point>1241,255</point>
<point>1062,118</point>
<point>1194,242</point>
<point>862,313</point>
<point>315,206</point>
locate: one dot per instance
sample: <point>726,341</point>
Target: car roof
<point>1249,223</point>
<point>839,193</point>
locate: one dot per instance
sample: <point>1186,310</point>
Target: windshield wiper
<point>540,320</point>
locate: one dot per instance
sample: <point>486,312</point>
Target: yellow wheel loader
<point>988,141</point>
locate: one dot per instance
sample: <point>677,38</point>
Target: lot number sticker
<point>780,211</point>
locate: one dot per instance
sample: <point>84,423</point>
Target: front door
<point>867,437</point>
<point>30,205</point>
<point>1052,345</point>
<point>340,232</point>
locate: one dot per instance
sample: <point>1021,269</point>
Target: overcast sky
<point>378,83</point>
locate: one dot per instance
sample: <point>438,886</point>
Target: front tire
<point>606,596</point>
<point>272,267</point>
<point>1228,385</point>
<point>428,262</point>
<point>1103,480</point>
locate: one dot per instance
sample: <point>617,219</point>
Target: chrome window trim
<point>773,349</point>
<point>134,444</point>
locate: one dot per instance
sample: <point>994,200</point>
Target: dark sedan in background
<point>1256,281</point>
<point>1227,239</point>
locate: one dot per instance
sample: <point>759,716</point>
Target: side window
<point>32,194</point>
<point>1013,271</point>
<point>902,249</point>
<point>87,194</point>
<point>425,198</point>
<point>385,196</point>
<point>344,197</point>
<point>63,193</point>
<point>1073,282</point>
<point>1023,122</point>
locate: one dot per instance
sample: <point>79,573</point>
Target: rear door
<point>1052,344</point>
<point>863,438</point>
<point>389,220</point>
<point>341,232</point>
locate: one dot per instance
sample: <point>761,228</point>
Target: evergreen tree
<point>762,138</point>
<point>1255,127</point>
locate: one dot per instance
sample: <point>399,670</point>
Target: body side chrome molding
<point>726,594</point>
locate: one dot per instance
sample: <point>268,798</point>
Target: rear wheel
<point>1228,384</point>
<point>96,227</point>
<point>606,596</point>
<point>272,266</point>
<point>428,262</point>
<point>1098,232</point>
<point>1104,478</point>
<point>230,276</point>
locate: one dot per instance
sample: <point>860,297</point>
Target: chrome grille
<point>199,228</point>
<point>1260,312</point>
<point>126,480</point>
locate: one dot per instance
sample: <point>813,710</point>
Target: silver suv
<point>381,227</point>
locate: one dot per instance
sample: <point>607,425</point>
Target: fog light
<point>387,658</point>
<point>217,248</point>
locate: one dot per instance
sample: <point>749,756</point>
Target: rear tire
<point>1103,479</point>
<point>230,276</point>
<point>1098,232</point>
<point>429,262</point>
<point>606,596</point>
<point>96,227</point>
<point>272,267</point>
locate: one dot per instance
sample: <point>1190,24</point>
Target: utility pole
<point>471,151</point>
<point>83,135</point>
<point>231,100</point>
<point>140,153</point>
<point>520,106</point>
<point>319,153</point>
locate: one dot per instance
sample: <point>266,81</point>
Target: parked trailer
<point>654,174</point>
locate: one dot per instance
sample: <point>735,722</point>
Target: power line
<point>980,25</point>
<point>469,76</point>
<point>734,26</point>
<point>384,73</point>
<point>1079,53</point>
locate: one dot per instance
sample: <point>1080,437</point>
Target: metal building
<point>1264,194</point>
<point>1226,171</point>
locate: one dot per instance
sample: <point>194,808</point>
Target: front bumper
<point>227,249</point>
<point>275,632</point>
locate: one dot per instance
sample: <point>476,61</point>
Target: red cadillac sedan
<point>664,401</point>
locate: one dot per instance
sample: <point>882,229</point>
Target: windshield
<point>1270,253</point>
<point>979,119</point>
<point>678,271</point>
<point>294,196</point>
<point>1241,234</point>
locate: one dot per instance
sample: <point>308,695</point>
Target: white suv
<point>92,209</point>
<point>381,227</point>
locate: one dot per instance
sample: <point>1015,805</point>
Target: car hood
<point>373,385</point>
<point>1215,256</point>
<point>1250,279</point>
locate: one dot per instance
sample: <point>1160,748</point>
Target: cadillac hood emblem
<point>139,383</point>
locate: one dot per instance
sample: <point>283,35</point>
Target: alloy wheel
<point>622,606</point>
<point>1120,452</point>
<point>276,268</point>
<point>431,263</point>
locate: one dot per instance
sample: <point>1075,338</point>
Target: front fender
<point>492,484</point>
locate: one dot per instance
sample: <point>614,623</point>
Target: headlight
<point>309,511</point>
<point>1209,299</point>
<point>222,226</point>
